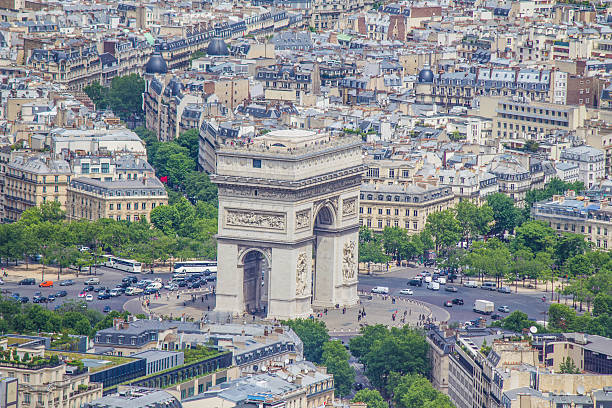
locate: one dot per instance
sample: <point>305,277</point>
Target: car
<point>68,282</point>
<point>89,298</point>
<point>39,299</point>
<point>212,277</point>
<point>27,281</point>
<point>448,303</point>
<point>503,309</point>
<point>51,298</point>
<point>100,289</point>
<point>103,296</point>
<point>38,293</point>
<point>358,386</point>
<point>457,301</point>
<point>192,285</point>
<point>82,294</point>
<point>88,288</point>
<point>150,291</point>
<point>15,295</point>
<point>171,286</point>
<point>504,289</point>
<point>61,293</point>
<point>129,279</point>
<point>415,282</point>
<point>84,249</point>
<point>406,292</point>
<point>450,289</point>
<point>1,281</point>
<point>92,281</point>
<point>114,292</point>
<point>106,309</point>
<point>495,316</point>
<point>182,284</point>
<point>24,299</point>
<point>45,284</point>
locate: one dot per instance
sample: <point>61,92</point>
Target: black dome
<point>426,75</point>
<point>156,65</point>
<point>217,47</point>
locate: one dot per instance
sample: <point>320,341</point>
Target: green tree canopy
<point>313,334</point>
<point>336,359</point>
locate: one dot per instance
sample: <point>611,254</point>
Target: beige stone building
<point>517,119</point>
<point>48,383</point>
<point>32,180</point>
<point>405,206</point>
<point>129,200</point>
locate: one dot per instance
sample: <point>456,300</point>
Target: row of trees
<point>71,318</point>
<point>177,160</point>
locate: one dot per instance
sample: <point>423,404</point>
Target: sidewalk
<point>198,304</point>
<point>19,272</point>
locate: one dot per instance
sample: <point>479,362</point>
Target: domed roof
<point>156,65</point>
<point>217,47</point>
<point>426,75</point>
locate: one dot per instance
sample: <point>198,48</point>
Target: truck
<point>485,307</point>
<point>433,286</point>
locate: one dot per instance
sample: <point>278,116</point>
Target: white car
<point>406,292</point>
<point>89,298</point>
<point>171,286</point>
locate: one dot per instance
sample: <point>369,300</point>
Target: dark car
<point>15,296</point>
<point>61,293</point>
<point>24,299</point>
<point>103,296</point>
<point>100,289</point>
<point>150,291</point>
<point>129,279</point>
<point>212,277</point>
<point>458,301</point>
<point>88,289</point>
<point>39,299</point>
<point>415,282</point>
<point>504,289</point>
<point>194,285</point>
<point>51,298</point>
<point>495,316</point>
<point>27,281</point>
<point>106,309</point>
<point>450,289</point>
<point>68,282</point>
<point>183,283</point>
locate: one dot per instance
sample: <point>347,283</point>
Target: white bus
<point>205,267</point>
<point>127,265</point>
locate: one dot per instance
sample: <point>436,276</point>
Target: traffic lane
<point>531,304</point>
<point>108,277</point>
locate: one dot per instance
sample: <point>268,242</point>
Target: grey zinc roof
<point>40,164</point>
<point>140,398</point>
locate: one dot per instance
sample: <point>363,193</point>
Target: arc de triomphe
<point>288,223</point>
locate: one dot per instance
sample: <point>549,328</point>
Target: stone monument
<point>288,223</point>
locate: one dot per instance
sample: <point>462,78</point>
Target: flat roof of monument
<point>290,137</point>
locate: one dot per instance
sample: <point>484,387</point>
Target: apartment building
<point>289,83</point>
<point>128,200</point>
<point>497,378</point>
<point>519,118</point>
<point>591,163</point>
<point>44,380</point>
<point>513,179</point>
<point>33,180</point>
<point>405,206</point>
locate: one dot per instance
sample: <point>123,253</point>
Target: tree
<point>125,96</point>
<point>190,140</point>
<point>535,235</point>
<point>474,220</point>
<point>98,95</point>
<point>415,391</point>
<point>394,240</point>
<point>505,214</point>
<point>444,229</point>
<point>568,367</point>
<point>336,359</point>
<point>407,345</point>
<point>372,398</point>
<point>313,334</point>
<point>531,146</point>
<point>569,245</point>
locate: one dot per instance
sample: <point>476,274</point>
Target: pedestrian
<point>208,308</point>
<point>253,317</point>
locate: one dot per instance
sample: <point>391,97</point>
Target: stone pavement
<point>198,304</point>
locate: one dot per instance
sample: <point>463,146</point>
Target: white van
<point>133,291</point>
<point>428,279</point>
<point>433,286</point>
<point>383,290</point>
<point>442,280</point>
<point>470,284</point>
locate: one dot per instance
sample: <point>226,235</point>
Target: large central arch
<point>288,219</point>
